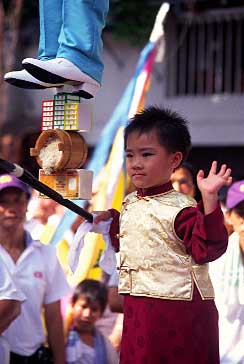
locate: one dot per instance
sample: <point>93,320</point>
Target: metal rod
<point>28,178</point>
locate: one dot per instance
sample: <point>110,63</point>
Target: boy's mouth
<point>138,175</point>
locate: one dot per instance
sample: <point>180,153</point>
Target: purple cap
<point>235,194</point>
<point>6,180</point>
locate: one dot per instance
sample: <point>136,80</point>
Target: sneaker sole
<point>83,94</point>
<point>48,77</point>
<point>24,84</point>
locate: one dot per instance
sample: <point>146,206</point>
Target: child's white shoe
<point>24,79</point>
<point>61,71</point>
<point>84,90</point>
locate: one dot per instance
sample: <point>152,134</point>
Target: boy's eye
<point>147,154</point>
<point>128,155</point>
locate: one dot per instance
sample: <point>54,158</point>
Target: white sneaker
<point>61,71</point>
<point>24,79</point>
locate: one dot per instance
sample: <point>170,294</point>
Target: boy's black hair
<point>92,290</point>
<point>188,167</point>
<point>171,128</point>
<point>238,209</point>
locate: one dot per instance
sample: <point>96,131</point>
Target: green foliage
<point>29,11</point>
<point>129,20</point>
<point>132,20</point>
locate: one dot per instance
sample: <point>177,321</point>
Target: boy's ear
<point>227,216</point>
<point>176,159</point>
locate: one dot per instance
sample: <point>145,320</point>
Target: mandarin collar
<point>155,190</point>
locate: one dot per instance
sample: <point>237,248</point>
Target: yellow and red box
<point>67,112</point>
<point>74,184</point>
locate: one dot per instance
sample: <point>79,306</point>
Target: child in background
<point>70,47</point>
<point>85,344</point>
<point>227,274</point>
<point>166,241</point>
<point>182,179</point>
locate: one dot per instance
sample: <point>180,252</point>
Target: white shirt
<point>227,275</point>
<point>81,353</point>
<point>40,277</point>
<point>8,291</point>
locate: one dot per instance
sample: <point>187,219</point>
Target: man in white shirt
<point>227,274</point>
<point>10,302</point>
<point>37,273</point>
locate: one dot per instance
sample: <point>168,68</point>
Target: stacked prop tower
<point>61,149</point>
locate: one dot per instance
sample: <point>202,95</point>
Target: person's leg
<point>80,39</point>
<point>77,61</point>
<point>50,14</point>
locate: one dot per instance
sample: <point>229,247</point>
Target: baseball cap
<point>235,194</point>
<point>6,180</point>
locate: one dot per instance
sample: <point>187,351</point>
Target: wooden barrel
<point>64,149</point>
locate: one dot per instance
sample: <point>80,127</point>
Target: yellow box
<point>78,116</point>
<point>74,184</point>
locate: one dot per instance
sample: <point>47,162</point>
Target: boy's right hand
<point>211,184</point>
<point>101,216</point>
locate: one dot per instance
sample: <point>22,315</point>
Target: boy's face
<point>148,163</point>
<point>85,314</point>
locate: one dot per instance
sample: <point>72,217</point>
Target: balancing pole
<point>28,178</point>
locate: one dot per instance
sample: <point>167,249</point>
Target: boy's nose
<point>87,312</point>
<point>136,163</point>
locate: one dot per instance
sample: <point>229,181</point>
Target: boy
<point>165,243</point>
<point>85,344</point>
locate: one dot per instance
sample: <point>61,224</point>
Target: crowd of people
<point>32,285</point>
<point>178,292</point>
<point>176,296</point>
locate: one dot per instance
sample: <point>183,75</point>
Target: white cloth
<point>4,351</point>
<point>8,291</point>
<point>227,275</point>
<point>114,278</point>
<point>108,259</point>
<point>40,277</point>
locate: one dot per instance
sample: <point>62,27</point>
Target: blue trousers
<point>72,29</point>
